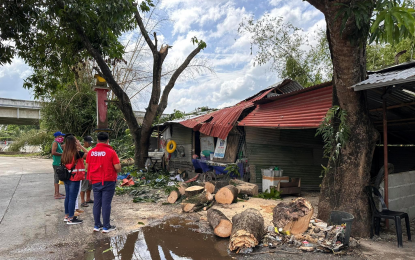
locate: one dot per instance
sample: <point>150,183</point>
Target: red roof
<point>304,110</point>
<point>219,123</point>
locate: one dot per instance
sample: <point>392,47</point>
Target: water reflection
<point>174,239</point>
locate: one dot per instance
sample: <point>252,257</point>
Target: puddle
<point>174,239</point>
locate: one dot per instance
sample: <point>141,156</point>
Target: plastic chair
<point>386,214</point>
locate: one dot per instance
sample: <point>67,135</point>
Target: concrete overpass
<point>27,112</point>
<point>19,112</point>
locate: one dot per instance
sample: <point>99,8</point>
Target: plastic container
<point>211,156</point>
<point>341,217</point>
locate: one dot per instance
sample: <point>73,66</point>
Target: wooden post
<point>385,151</point>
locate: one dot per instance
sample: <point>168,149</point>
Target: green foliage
<point>232,170</point>
<point>361,12</point>
<point>335,133</point>
<point>272,194</point>
<point>12,132</point>
<point>383,55</point>
<point>284,46</point>
<point>394,21</point>
<point>33,137</point>
<point>49,35</point>
<point>200,43</point>
<point>177,114</point>
<point>71,109</point>
<point>124,145</point>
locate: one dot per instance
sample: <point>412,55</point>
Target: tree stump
<point>245,187</point>
<point>193,190</point>
<point>182,188</point>
<point>293,216</point>
<point>209,187</point>
<point>222,226</point>
<point>174,196</point>
<point>227,195</point>
<point>247,230</point>
<point>191,203</point>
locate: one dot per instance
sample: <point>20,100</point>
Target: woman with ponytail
<point>73,159</point>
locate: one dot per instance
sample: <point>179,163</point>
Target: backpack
<point>63,173</point>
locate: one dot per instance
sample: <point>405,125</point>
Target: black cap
<point>88,139</point>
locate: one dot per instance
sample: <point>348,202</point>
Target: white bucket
<point>270,181</point>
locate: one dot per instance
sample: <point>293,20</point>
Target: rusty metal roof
<point>221,122</point>
<point>298,110</point>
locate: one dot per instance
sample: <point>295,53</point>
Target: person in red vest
<point>102,165</point>
<point>73,159</point>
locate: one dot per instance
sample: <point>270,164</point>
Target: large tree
<point>348,30</point>
<point>351,137</point>
<point>54,36</point>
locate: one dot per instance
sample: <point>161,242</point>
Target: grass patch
<point>19,154</point>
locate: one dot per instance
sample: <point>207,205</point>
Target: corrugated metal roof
<point>304,110</point>
<point>386,79</point>
<point>220,123</point>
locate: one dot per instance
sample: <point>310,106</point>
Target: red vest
<point>101,160</point>
<point>79,170</point>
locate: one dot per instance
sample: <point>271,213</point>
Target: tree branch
<point>164,98</point>
<point>319,4</point>
<point>150,44</point>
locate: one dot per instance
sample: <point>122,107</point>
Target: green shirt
<point>57,158</point>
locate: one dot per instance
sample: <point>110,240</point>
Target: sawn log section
<point>247,229</point>
<point>221,225</point>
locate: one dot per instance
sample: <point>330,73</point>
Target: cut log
<point>182,188</point>
<point>245,187</point>
<point>227,195</point>
<point>293,216</point>
<point>247,230</point>
<point>222,226</point>
<point>209,187</point>
<point>174,196</point>
<point>193,190</point>
<point>191,203</point>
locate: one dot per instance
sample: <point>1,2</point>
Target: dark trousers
<point>71,189</point>
<point>102,201</point>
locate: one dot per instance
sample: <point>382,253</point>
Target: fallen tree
<point>210,187</point>
<point>222,226</point>
<point>245,187</point>
<point>247,230</point>
<point>197,202</point>
<point>293,216</point>
<point>173,196</point>
<point>227,195</point>
<point>193,190</point>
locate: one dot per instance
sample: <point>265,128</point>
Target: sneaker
<point>106,230</point>
<point>97,228</point>
<point>65,219</point>
<point>74,221</point>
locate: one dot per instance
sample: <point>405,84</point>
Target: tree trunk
<point>222,226</point>
<point>190,204</point>
<point>293,216</point>
<point>193,190</point>
<point>209,187</point>
<point>245,187</point>
<point>227,195</point>
<point>343,185</point>
<point>247,230</point>
<point>174,196</point>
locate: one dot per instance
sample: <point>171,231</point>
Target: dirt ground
<point>32,227</point>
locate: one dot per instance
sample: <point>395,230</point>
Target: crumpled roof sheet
<point>305,110</point>
<point>387,78</point>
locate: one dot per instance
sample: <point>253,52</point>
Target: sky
<point>228,53</point>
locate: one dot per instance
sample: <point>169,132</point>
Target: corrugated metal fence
<point>297,152</point>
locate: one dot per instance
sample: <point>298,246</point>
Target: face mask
<point>59,139</point>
